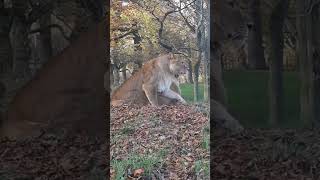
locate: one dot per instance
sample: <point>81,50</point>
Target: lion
<point>155,83</point>
<point>66,93</point>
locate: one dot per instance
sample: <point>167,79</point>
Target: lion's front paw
<point>183,101</point>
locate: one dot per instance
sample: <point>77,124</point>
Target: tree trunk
<point>276,62</point>
<point>45,50</point>
<point>196,80</point>
<point>189,73</point>
<point>6,60</point>
<point>124,72</point>
<point>218,91</point>
<point>138,49</point>
<point>111,75</point>
<point>304,50</point>
<point>5,56</point>
<point>206,67</point>
<point>21,49</point>
<point>206,50</point>
<point>316,61</point>
<point>116,77</point>
<point>255,50</point>
<point>206,80</point>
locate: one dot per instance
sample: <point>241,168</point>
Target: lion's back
<point>131,90</point>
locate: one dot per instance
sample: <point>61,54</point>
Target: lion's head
<point>177,65</point>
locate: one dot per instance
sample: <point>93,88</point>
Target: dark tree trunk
<point>218,91</point>
<point>111,75</point>
<point>138,49</point>
<point>6,60</point>
<point>316,61</point>
<point>196,81</point>
<point>190,78</point>
<point>124,72</point>
<point>116,76</point>
<point>276,62</point>
<point>255,50</point>
<point>304,51</point>
<point>21,49</point>
<point>45,50</point>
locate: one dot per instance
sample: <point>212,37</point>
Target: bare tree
<point>5,44</point>
<point>316,60</point>
<point>276,61</point>
<point>305,56</point>
<point>255,50</point>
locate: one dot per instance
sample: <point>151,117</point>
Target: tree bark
<point>116,76</point>
<point>304,50</point>
<point>6,60</point>
<point>21,49</point>
<point>276,62</point>
<point>124,72</point>
<point>206,40</point>
<point>255,50</point>
<point>218,91</point>
<point>316,61</point>
<point>138,49</point>
<point>189,73</point>
<point>111,75</point>
<point>196,80</point>
<point>206,77</point>
<point>45,50</point>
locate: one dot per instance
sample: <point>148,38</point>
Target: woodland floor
<point>167,142</point>
<point>267,154</point>
<point>50,157</point>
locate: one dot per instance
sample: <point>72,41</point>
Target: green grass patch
<point>205,144</point>
<point>127,130</point>
<point>135,161</point>
<point>187,92</point>
<point>202,167</point>
<point>248,98</point>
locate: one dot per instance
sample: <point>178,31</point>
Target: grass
<point>136,161</point>
<point>248,97</point>
<point>187,92</point>
<point>202,165</point>
<point>205,144</point>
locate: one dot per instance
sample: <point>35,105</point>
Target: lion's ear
<point>171,55</point>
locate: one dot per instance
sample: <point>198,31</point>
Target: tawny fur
<point>66,93</point>
<point>151,73</point>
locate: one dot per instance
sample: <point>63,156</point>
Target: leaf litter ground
<point>257,154</point>
<point>177,132</point>
<point>53,157</point>
<point>251,155</point>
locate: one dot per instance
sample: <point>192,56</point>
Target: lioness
<point>156,83</point>
<point>66,93</point>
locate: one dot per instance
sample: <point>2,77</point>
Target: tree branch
<point>124,35</point>
<point>192,28</point>
<point>162,20</point>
